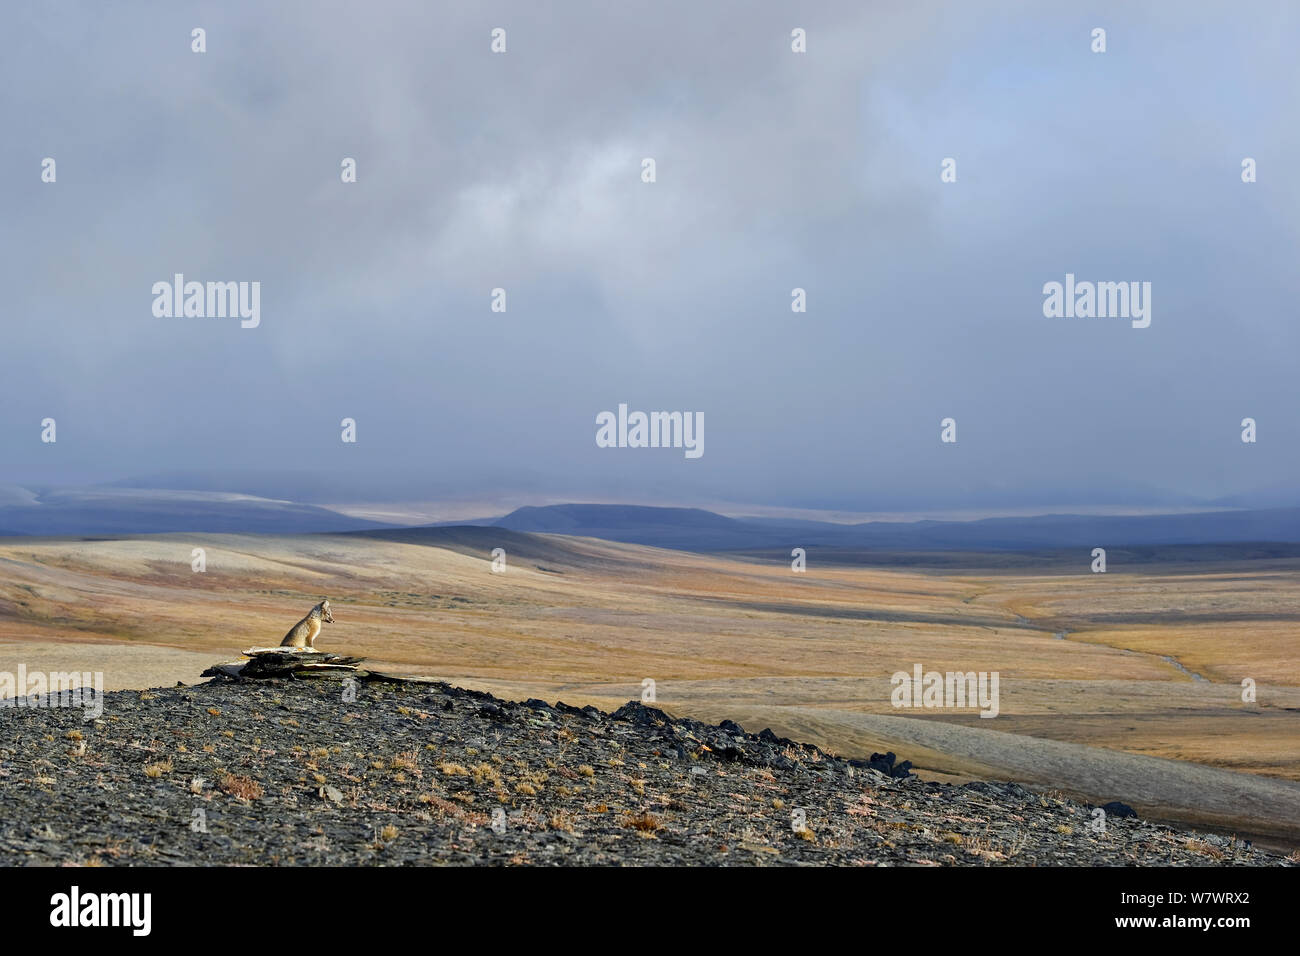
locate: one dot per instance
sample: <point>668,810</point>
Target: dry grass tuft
<point>240,787</point>
<point>644,821</point>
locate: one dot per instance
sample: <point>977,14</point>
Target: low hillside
<point>294,772</point>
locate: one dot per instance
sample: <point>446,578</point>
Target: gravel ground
<point>289,772</point>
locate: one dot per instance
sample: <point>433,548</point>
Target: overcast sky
<point>775,170</point>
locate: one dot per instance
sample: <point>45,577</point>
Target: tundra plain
<point>1118,686</point>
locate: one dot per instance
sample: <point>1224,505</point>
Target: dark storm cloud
<point>775,170</point>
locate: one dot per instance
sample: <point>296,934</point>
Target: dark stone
<point>1117,809</point>
<point>723,749</point>
<point>635,712</point>
<point>884,764</point>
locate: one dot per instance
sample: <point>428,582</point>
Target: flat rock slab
<point>265,662</point>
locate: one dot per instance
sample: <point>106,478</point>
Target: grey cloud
<point>775,171</point>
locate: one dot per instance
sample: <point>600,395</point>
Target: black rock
<point>884,764</point>
<point>1117,809</point>
<point>638,713</point>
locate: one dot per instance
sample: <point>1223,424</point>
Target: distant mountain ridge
<point>693,529</point>
<point>120,511</point>
<point>116,511</point>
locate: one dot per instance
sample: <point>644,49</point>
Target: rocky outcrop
<point>279,770</point>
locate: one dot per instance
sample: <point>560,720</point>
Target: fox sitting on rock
<point>303,634</point>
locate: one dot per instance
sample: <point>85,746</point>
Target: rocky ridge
<point>286,771</point>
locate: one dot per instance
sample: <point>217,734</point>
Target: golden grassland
<point>1144,661</point>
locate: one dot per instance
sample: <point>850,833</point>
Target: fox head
<point>325,615</point>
